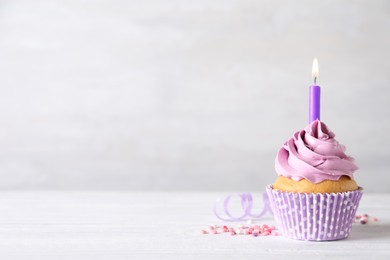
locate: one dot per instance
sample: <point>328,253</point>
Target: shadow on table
<point>373,231</point>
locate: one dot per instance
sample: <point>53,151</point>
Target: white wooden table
<point>159,225</point>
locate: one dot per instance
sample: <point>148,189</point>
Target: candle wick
<point>315,80</point>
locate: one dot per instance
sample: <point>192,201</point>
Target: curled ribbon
<point>246,205</point>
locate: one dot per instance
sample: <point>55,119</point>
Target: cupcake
<point>315,196</point>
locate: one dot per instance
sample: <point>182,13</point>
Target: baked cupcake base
<point>327,186</point>
<point>314,216</point>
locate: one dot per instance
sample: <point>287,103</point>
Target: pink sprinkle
<point>375,219</point>
<point>265,228</point>
<point>257,230</point>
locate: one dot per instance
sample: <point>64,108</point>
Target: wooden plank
<point>159,225</point>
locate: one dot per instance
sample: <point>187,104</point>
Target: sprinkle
<point>254,230</point>
<point>365,219</point>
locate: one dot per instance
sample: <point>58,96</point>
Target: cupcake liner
<point>314,216</point>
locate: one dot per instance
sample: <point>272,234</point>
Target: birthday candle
<point>314,95</point>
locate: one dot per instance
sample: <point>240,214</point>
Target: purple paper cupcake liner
<point>314,216</point>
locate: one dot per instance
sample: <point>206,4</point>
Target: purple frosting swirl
<point>315,155</point>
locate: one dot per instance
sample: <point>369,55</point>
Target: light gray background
<point>185,94</point>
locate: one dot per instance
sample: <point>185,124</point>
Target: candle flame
<point>314,71</point>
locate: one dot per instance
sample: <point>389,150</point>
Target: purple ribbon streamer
<point>246,205</point>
